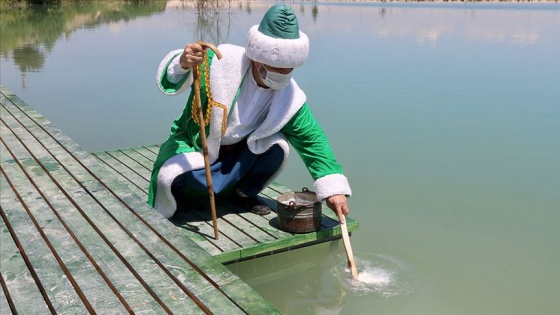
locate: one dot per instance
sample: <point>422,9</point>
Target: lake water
<point>446,118</point>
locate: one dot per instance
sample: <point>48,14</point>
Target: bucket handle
<point>293,206</point>
<point>296,207</point>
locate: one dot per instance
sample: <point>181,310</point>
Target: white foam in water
<point>381,275</point>
<point>377,277</point>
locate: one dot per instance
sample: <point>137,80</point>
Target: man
<point>253,109</point>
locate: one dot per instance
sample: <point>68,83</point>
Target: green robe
<point>289,120</point>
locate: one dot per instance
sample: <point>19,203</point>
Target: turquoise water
<point>446,118</point>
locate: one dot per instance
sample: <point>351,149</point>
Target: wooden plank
<point>18,285</point>
<point>199,225</point>
<point>197,230</point>
<point>120,170</point>
<point>141,159</point>
<point>87,240</point>
<point>153,274</point>
<point>195,252</point>
<point>193,223</point>
<point>110,200</point>
<point>82,228</point>
<point>236,232</point>
<point>130,167</point>
<point>58,287</point>
<point>6,302</point>
<point>153,149</point>
<point>269,195</point>
<point>227,228</point>
<point>264,234</point>
<point>138,225</point>
<point>243,293</point>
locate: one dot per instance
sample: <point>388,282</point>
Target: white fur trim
<point>277,52</point>
<point>226,75</point>
<point>163,67</point>
<point>285,104</point>
<point>175,166</point>
<point>330,185</point>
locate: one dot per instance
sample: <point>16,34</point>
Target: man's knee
<point>274,155</point>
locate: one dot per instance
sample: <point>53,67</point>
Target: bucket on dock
<point>299,212</point>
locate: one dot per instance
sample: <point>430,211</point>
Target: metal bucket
<point>299,212</point>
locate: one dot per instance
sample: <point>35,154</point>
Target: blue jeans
<point>236,168</point>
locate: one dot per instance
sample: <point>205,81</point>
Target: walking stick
<point>201,124</point>
<point>348,247</point>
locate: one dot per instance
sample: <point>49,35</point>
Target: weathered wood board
<point>243,235</point>
<point>76,239</point>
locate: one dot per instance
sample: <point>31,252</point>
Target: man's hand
<point>193,55</point>
<point>339,205</point>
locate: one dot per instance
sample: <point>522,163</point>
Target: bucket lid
<point>305,198</point>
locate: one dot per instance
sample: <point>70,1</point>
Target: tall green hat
<point>277,41</point>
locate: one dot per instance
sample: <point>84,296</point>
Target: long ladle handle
<point>348,247</point>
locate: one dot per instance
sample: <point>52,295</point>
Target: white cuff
<point>175,72</point>
<point>330,185</point>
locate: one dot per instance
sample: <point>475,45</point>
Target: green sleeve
<point>307,137</point>
<point>185,133</point>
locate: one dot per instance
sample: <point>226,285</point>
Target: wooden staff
<point>201,124</point>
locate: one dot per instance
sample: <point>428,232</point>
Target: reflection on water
<point>316,280</point>
<point>213,18</point>
<point>29,34</point>
<point>280,279</point>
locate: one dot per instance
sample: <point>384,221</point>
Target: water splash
<point>380,275</point>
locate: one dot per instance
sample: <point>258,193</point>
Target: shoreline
<point>435,1</point>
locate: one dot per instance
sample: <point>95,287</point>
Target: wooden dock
<point>77,235</point>
<point>243,235</point>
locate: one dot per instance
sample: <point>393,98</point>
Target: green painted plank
<point>94,287</point>
<point>153,274</point>
<point>195,231</point>
<point>234,227</point>
<point>82,229</point>
<point>148,273</point>
<point>89,188</point>
<point>265,228</point>
<point>245,221</point>
<point>190,248</point>
<point>130,168</point>
<point>16,276</point>
<point>202,232</point>
<point>237,228</point>
<point>6,302</point>
<point>116,271</point>
<point>225,227</point>
<point>249,299</point>
<point>150,151</point>
<point>120,170</point>
<point>140,159</point>
<point>328,219</point>
<point>57,286</point>
<point>268,233</point>
<point>168,230</point>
